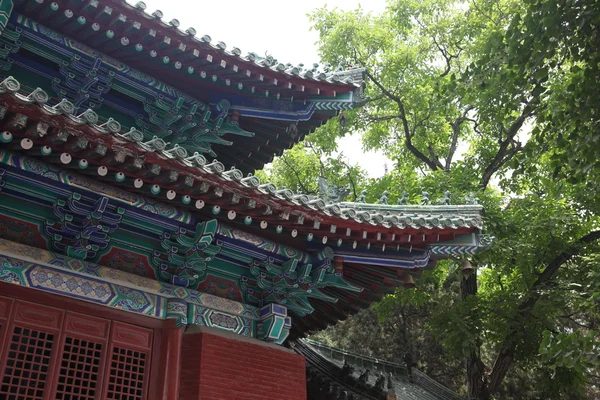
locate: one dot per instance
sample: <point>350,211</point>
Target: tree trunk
<point>476,378</point>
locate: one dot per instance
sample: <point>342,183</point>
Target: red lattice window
<point>50,353</point>
<point>26,364</point>
<point>1,342</point>
<point>127,374</point>
<point>79,370</point>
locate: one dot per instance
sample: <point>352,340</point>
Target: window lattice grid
<point>79,370</point>
<point>27,363</point>
<point>1,348</point>
<point>127,374</point>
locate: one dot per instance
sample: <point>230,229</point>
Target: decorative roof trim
<point>196,166</point>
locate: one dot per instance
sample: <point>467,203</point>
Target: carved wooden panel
<point>36,314</point>
<point>88,326</point>
<point>2,330</point>
<point>5,307</point>
<point>131,335</point>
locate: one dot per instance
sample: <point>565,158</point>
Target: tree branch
<point>405,126</point>
<point>475,125</point>
<point>372,99</point>
<point>318,154</point>
<point>570,318</point>
<point>372,118</point>
<point>478,9</point>
<point>552,268</point>
<point>383,89</point>
<point>300,183</point>
<point>508,147</point>
<point>447,57</point>
<point>433,156</point>
<point>509,347</point>
<point>455,134</point>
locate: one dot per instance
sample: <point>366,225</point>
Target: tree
<point>483,76</point>
<point>558,41</point>
<point>500,99</point>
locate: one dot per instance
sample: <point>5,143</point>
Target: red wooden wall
<point>223,368</point>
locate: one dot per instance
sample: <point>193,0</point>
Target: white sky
<point>280,27</point>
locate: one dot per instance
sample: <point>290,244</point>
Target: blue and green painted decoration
<point>70,277</point>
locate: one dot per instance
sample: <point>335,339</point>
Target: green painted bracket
<point>274,324</point>
<point>6,8</point>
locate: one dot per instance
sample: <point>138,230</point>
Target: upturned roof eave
<point>231,181</point>
<point>339,80</point>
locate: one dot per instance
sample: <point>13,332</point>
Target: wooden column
<point>171,356</point>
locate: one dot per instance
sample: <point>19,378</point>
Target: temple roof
<point>134,21</point>
<point>337,374</point>
<point>192,180</point>
<point>270,105</point>
<point>335,76</point>
<point>105,163</point>
<point>378,245</point>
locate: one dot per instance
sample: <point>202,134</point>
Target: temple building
<point>140,259</point>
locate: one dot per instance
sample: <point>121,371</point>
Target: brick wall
<point>219,366</point>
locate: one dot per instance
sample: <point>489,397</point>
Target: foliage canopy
<point>497,98</point>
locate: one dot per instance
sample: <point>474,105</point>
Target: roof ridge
<point>356,355</point>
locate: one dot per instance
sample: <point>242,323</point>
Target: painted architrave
<point>61,263</point>
<point>203,316</point>
<point>54,280</point>
<point>178,311</point>
<point>193,314</point>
